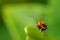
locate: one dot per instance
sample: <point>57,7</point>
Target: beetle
<point>41,25</point>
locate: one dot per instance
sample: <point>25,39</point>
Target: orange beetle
<point>41,25</point>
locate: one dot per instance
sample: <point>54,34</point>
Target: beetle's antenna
<point>34,17</point>
<point>41,17</point>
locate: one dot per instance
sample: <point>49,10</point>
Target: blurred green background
<point>16,14</point>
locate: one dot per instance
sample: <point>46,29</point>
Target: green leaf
<point>33,33</point>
